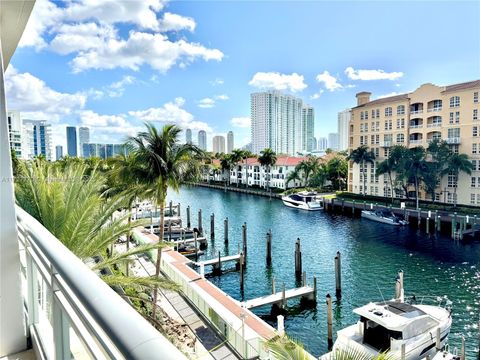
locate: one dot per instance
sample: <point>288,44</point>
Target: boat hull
<point>312,206</point>
<point>371,216</point>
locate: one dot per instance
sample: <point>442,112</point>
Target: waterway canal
<point>372,253</point>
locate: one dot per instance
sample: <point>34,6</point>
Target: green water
<point>372,253</point>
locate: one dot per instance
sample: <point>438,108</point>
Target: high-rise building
<point>343,122</point>
<point>414,119</point>
<point>314,143</point>
<point>71,141</point>
<point>188,136</point>
<point>322,143</point>
<point>333,141</point>
<point>83,138</point>
<point>103,151</point>
<point>218,143</point>
<point>280,122</point>
<point>58,152</point>
<point>37,139</point>
<point>15,132</point>
<point>202,140</point>
<point>230,144</point>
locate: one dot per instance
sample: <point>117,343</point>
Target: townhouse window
<point>377,152</point>
<point>454,149</point>
<point>377,139</point>
<point>400,138</point>
<point>377,113</point>
<point>452,181</point>
<point>474,148</point>
<point>454,117</point>
<point>377,126</point>
<point>474,165</point>
<point>401,123</point>
<point>361,128</point>
<point>472,199</point>
<point>475,97</point>
<point>388,111</point>
<point>475,114</point>
<point>475,131</point>
<point>390,124</point>
<point>366,127</point>
<point>437,104</point>
<point>372,139</point>
<point>386,152</point>
<point>454,133</point>
<point>473,181</point>
<point>373,126</point>
<point>373,113</point>
<point>366,115</point>
<point>455,101</point>
<point>387,137</point>
<point>361,115</point>
<point>400,109</point>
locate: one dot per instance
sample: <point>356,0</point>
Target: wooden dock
<point>215,261</point>
<point>200,240</point>
<point>281,297</point>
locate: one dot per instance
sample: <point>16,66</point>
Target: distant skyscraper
<point>333,141</point>
<point>71,141</point>
<point>83,138</point>
<point>230,143</point>
<point>58,152</point>
<point>322,143</point>
<point>280,122</point>
<point>218,144</point>
<point>314,143</point>
<point>37,139</point>
<point>103,151</point>
<point>202,140</point>
<point>188,136</point>
<point>15,132</point>
<point>343,124</point>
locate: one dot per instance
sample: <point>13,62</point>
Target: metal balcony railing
<point>416,126</point>
<point>435,109</point>
<point>414,112</point>
<point>432,125</point>
<point>453,140</point>
<point>71,312</point>
<point>416,142</point>
<point>387,143</point>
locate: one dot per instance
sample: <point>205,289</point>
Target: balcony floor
<point>24,355</point>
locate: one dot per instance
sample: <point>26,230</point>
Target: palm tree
<point>415,166</point>
<point>236,156</point>
<point>226,166</point>
<point>293,175</point>
<point>307,167</point>
<point>362,155</point>
<point>387,167</point>
<point>456,164</point>
<point>438,152</point>
<point>267,159</point>
<point>336,170</point>
<point>167,164</point>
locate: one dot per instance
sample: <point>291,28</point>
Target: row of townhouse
<point>414,119</point>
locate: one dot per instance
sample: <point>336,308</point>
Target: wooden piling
<point>169,230</point>
<point>244,239</point>
<point>419,218</point>
<point>269,248</point>
<point>428,225</point>
<point>402,352</point>
<point>439,224</point>
<point>188,217</point>
<point>298,259</point>
<point>329,322</point>
<point>196,245</point>
<point>225,230</point>
<point>212,226</point>
<point>353,207</point>
<point>179,213</point>
<point>304,278</point>
<point>454,225</point>
<point>273,285</point>
<point>399,286</point>
<point>338,275</point>
<point>462,349</point>
<point>200,226</point>
<point>280,325</point>
<point>241,271</point>
<point>438,342</point>
<point>315,288</point>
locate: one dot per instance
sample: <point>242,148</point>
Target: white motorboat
<point>303,200</point>
<point>405,331</point>
<point>383,216</point>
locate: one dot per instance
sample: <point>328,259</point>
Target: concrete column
<point>280,325</point>
<point>12,326</point>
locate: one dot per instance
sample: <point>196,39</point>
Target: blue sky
<point>113,65</point>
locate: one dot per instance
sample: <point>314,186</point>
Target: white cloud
<point>175,22</point>
<point>317,95</point>
<point>241,122</point>
<point>172,113</point>
<point>211,102</point>
<point>371,74</point>
<point>329,81</point>
<point>33,97</point>
<point>393,93</point>
<point>113,90</point>
<point>222,97</point>
<point>217,82</point>
<point>274,80</point>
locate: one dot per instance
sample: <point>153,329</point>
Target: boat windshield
<point>377,336</point>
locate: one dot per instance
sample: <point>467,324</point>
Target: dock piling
<point>304,278</point>
<point>244,239</point>
<point>462,349</point>
<point>399,286</point>
<point>225,230</point>
<point>169,230</point>
<point>280,325</point>
<point>212,226</point>
<point>438,343</point>
<point>315,289</point>
<point>269,248</point>
<point>200,226</point>
<point>402,352</point>
<point>329,322</point>
<point>338,275</point>
<point>273,285</point>
<point>298,259</point>
<point>188,217</point>
<point>428,225</point>
<point>284,302</point>
<point>353,208</point>
<point>196,245</point>
<point>419,218</point>
<point>241,271</point>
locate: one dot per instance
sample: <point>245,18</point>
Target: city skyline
<point>81,92</point>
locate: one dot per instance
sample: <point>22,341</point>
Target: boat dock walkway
<point>200,240</point>
<point>218,260</point>
<point>280,297</point>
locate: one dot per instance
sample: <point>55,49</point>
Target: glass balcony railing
<point>71,313</point>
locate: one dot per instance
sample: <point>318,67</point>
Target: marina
<point>371,252</point>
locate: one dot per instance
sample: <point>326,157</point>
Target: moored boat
<point>303,200</point>
<point>383,216</point>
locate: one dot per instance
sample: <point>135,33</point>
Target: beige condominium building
<point>414,119</point>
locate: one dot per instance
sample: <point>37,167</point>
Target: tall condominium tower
<point>280,122</point>
<point>71,141</point>
<point>322,143</point>
<point>83,138</point>
<point>218,144</point>
<point>333,141</point>
<point>343,122</point>
<point>58,152</point>
<point>15,132</point>
<point>188,136</point>
<point>37,139</point>
<point>230,143</point>
<point>202,140</point>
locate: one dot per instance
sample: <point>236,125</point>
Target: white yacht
<point>409,332</point>
<point>303,200</point>
<point>383,216</point>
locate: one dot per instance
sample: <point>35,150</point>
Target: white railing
<point>416,126</point>
<point>387,143</point>
<point>416,142</point>
<point>435,109</point>
<point>434,125</point>
<point>414,112</point>
<point>453,140</point>
<point>71,312</point>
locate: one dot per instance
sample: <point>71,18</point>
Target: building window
<point>366,127</point>
<point>437,104</point>
<point>472,199</point>
<point>454,117</point>
<point>455,101</point>
<point>366,115</point>
<point>473,181</point>
<point>474,148</point>
<point>475,131</point>
<point>475,114</point>
<point>452,180</point>
<point>377,140</point>
<point>475,97</point>
<point>454,133</point>
<point>373,113</point>
<point>474,165</point>
<point>377,126</point>
<point>377,152</point>
<point>361,115</point>
<point>400,123</point>
<point>372,139</point>
<point>377,113</point>
<point>400,109</point>
<point>388,111</point>
<point>400,138</point>
<point>454,149</point>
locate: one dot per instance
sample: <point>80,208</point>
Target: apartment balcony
<point>453,140</point>
<point>435,109</point>
<point>416,112</point>
<point>387,143</point>
<point>416,126</point>
<point>70,312</point>
<point>434,125</point>
<point>416,142</point>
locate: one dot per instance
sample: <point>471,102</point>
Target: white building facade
<point>333,141</point>
<point>218,144</point>
<point>37,139</point>
<point>188,136</point>
<point>281,122</point>
<point>230,142</point>
<point>15,132</point>
<point>343,125</point>
<point>83,138</point>
<point>202,140</point>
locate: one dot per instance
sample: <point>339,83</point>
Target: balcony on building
<point>416,139</point>
<point>453,140</point>
<point>416,108</point>
<point>434,135</point>
<point>434,121</point>
<point>434,105</point>
<point>416,123</point>
<point>387,143</point>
